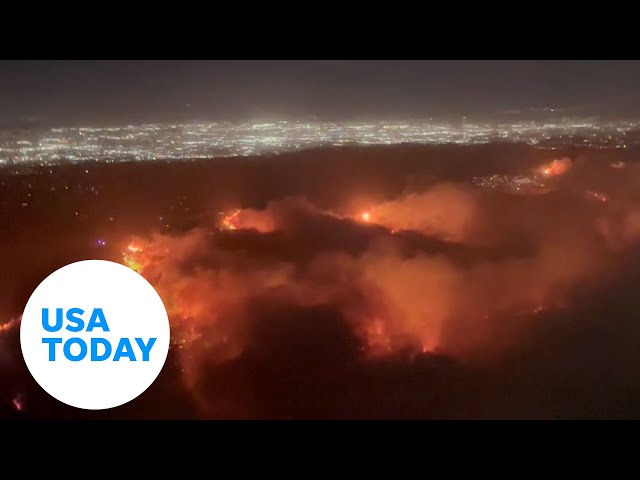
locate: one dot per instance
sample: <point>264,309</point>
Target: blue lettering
<point>71,316</point>
<point>94,349</point>
<point>145,349</point>
<point>45,320</point>
<point>124,349</point>
<point>52,347</point>
<point>98,320</point>
<point>67,349</point>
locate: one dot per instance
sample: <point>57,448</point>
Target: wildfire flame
<point>555,167</point>
<point>133,248</point>
<point>134,257</point>
<point>388,309</point>
<point>229,222</point>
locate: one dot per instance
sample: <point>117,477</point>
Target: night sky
<point>101,92</point>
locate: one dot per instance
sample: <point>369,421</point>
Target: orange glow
<point>555,167</point>
<point>392,302</point>
<point>249,219</point>
<point>445,211</point>
<point>133,248</point>
<point>134,257</point>
<point>229,222</point>
<point>9,325</point>
<point>377,337</point>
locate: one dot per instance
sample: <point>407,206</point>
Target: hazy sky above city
<point>99,92</point>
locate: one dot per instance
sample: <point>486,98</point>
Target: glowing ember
<point>365,217</point>
<point>133,265</point>
<point>133,257</point>
<point>133,248</point>
<point>229,222</point>
<point>555,168</point>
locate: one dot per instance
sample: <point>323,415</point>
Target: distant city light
<point>191,141</point>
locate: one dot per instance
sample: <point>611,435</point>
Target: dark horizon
<point>70,93</point>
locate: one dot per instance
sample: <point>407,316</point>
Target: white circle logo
<point>94,334</point>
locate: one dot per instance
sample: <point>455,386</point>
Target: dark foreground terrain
<point>456,303</point>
